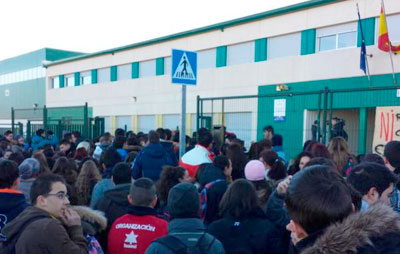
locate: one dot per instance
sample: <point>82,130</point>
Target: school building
<point>23,84</point>
<point>298,64</point>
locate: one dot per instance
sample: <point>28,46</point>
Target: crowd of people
<point>130,193</point>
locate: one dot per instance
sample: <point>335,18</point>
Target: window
<point>107,124</point>
<point>86,78</point>
<point>55,82</point>
<point>336,37</point>
<point>103,75</point>
<point>167,65</point>
<point>69,80</point>
<point>146,123</point>
<point>147,69</point>
<point>124,72</point>
<point>284,46</point>
<point>171,121</point>
<point>240,53</point>
<point>393,24</point>
<point>206,58</point>
<point>123,121</point>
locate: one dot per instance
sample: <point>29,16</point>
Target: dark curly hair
<point>170,176</point>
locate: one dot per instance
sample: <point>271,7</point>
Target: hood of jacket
<point>210,174</point>
<point>119,194</point>
<point>13,228</point>
<point>187,225</point>
<point>167,144</point>
<point>154,150</point>
<point>93,221</point>
<point>357,231</point>
<point>141,210</point>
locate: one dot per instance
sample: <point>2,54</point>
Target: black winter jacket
<point>254,234</point>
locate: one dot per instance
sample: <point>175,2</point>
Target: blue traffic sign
<point>184,67</point>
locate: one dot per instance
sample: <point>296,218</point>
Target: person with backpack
<point>12,201</point>
<point>186,232</point>
<point>114,203</point>
<point>244,227</point>
<point>49,226</point>
<point>214,179</point>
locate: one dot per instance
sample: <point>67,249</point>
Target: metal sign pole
<point>182,131</point>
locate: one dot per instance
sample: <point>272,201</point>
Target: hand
<point>71,218</point>
<point>283,186</point>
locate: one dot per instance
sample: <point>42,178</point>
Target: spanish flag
<point>383,39</point>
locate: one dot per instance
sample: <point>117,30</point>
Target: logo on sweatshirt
<point>3,222</point>
<point>130,241</point>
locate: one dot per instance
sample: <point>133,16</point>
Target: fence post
<point>330,114</point>
<point>59,134</point>
<point>45,118</point>
<point>12,119</point>
<point>28,131</point>
<point>86,120</point>
<point>20,129</point>
<point>197,115</point>
<point>102,126</point>
<point>222,135</point>
<point>326,91</point>
<point>319,118</point>
<point>362,133</point>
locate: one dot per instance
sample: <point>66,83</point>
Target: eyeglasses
<point>60,195</point>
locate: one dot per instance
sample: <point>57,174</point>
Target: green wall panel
<point>61,80</point>
<point>56,54</point>
<point>94,76</point>
<point>135,70</point>
<point>308,38</point>
<point>160,66</point>
<point>368,27</point>
<point>75,113</point>
<point>221,56</point>
<point>22,95</point>
<point>23,62</point>
<point>260,50</point>
<point>292,127</point>
<point>113,73</point>
<point>33,59</point>
<point>77,78</point>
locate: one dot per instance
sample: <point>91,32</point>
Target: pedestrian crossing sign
<point>184,67</point>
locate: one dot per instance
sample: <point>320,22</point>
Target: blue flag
<point>363,52</point>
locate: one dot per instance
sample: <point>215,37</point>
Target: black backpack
<point>8,247</point>
<point>174,244</point>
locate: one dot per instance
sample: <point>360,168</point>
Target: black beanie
<point>183,201</point>
<point>392,153</point>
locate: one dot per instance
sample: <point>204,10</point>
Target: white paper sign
<point>279,110</point>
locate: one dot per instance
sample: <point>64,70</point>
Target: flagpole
<point>364,55</point>
<point>390,45</point>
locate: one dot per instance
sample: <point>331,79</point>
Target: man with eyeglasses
<point>50,225</point>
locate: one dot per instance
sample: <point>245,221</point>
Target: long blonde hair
<point>339,150</point>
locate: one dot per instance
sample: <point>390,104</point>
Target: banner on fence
<point>387,127</point>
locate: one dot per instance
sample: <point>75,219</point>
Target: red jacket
<point>134,232</point>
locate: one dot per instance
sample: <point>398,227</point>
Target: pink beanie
<point>254,170</point>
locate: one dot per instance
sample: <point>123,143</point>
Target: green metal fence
<point>304,110</point>
<point>59,120</point>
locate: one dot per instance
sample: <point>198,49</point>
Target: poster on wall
<point>279,110</point>
<point>387,127</point>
